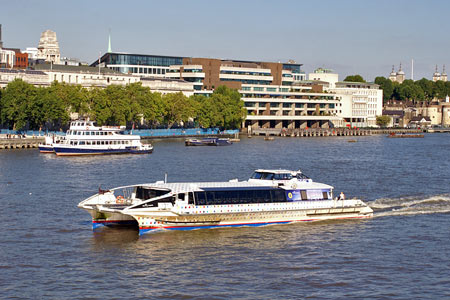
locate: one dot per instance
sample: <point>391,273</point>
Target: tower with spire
<point>393,75</point>
<point>443,75</point>
<point>400,74</point>
<point>397,76</point>
<point>436,75</point>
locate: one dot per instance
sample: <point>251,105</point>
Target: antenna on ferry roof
<point>165,177</point>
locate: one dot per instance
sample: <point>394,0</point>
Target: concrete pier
<point>311,132</point>
<point>323,132</point>
<point>22,143</point>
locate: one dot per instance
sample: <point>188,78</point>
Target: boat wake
<point>411,205</point>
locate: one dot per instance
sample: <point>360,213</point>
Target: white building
<point>166,86</point>
<point>48,48</point>
<point>32,53</point>
<point>36,78</point>
<point>326,75</point>
<point>7,58</point>
<point>290,107</point>
<point>89,77</point>
<point>360,102</point>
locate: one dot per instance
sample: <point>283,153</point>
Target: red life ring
<point>120,200</point>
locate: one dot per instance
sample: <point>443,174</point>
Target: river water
<point>49,251</point>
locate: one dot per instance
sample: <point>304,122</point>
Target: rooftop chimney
<point>1,43</point>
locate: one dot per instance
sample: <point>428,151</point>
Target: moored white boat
<point>268,197</point>
<point>83,138</point>
<point>49,141</point>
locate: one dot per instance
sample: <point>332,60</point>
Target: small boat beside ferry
<point>49,141</point>
<point>267,197</point>
<point>84,138</point>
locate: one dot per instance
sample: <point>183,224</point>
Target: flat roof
<point>181,57</point>
<point>162,79</point>
<point>15,71</point>
<point>69,68</point>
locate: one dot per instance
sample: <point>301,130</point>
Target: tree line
<point>25,107</point>
<point>420,90</point>
<point>410,90</point>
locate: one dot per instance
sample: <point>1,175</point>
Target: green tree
<point>54,108</point>
<point>230,105</point>
<point>409,90</point>
<point>383,121</point>
<point>207,113</point>
<point>387,87</point>
<point>439,89</point>
<point>177,108</point>
<point>144,104</point>
<point>17,104</point>
<point>354,78</point>
<point>427,88</point>
<point>100,107</point>
<point>119,105</point>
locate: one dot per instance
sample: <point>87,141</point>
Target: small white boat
<point>49,141</point>
<point>83,138</point>
<point>268,197</point>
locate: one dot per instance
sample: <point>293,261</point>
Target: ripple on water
<point>48,250</point>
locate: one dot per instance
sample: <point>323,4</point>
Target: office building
<point>138,64</point>
<point>360,103</point>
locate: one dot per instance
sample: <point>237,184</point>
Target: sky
<point>351,37</point>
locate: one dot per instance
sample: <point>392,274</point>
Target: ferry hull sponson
<point>239,217</point>
<point>105,210</point>
<point>268,197</point>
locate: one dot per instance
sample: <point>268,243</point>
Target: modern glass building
<point>139,64</point>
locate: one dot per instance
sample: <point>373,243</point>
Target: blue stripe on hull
<point>145,230</point>
<point>45,149</point>
<point>78,151</point>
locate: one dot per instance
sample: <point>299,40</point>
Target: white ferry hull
<point>72,151</point>
<point>148,223</point>
<point>61,151</point>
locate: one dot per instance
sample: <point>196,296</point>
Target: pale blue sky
<point>351,37</point>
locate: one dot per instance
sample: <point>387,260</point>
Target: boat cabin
<point>278,175</point>
<point>162,196</point>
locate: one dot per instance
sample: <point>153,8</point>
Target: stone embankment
<point>20,143</point>
<point>321,132</point>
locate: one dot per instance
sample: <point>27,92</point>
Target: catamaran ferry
<point>268,197</point>
<point>83,138</point>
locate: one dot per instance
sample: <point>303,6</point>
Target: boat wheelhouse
<point>268,197</point>
<point>84,138</point>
